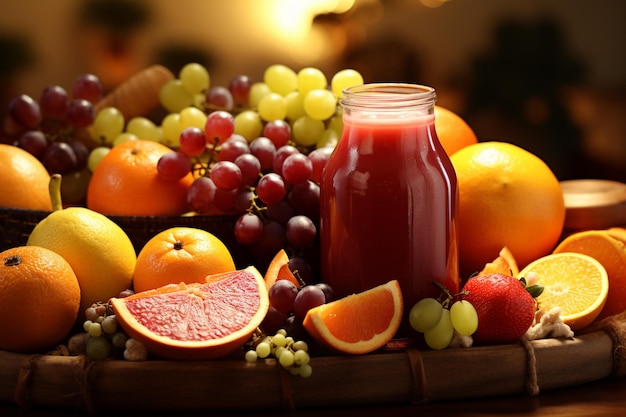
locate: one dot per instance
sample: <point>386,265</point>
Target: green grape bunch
<point>443,322</point>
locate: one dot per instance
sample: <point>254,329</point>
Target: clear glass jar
<point>389,197</point>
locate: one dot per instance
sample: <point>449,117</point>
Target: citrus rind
<point>551,270</point>
<point>235,335</point>
<point>317,320</point>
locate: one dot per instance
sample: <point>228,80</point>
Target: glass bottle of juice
<point>389,197</point>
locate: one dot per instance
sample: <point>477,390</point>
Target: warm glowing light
<point>342,6</point>
<point>290,23</point>
<point>433,4</point>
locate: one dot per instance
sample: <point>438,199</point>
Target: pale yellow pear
<point>98,250</point>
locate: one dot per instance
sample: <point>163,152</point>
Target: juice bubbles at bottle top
<point>389,197</point>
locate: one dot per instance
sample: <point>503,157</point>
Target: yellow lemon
<point>98,250</point>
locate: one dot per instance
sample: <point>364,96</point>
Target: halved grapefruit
<point>279,269</point>
<point>358,323</point>
<point>196,321</point>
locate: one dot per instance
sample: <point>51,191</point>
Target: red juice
<point>388,202</point>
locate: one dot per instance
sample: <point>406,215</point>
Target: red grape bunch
<point>54,128</point>
<point>257,149</point>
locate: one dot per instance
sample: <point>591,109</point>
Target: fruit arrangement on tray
<point>168,232</point>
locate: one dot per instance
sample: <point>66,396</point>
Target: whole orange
<point>24,180</point>
<point>452,130</point>
<point>507,197</point>
<point>180,254</point>
<point>126,182</point>
<point>39,299</point>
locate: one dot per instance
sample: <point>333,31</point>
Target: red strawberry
<point>505,308</point>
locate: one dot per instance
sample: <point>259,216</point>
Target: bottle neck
<point>392,102</point>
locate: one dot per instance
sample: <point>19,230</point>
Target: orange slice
<point>611,253</point>
<point>196,321</point>
<point>359,323</point>
<point>575,282</point>
<point>504,264</point>
<point>618,233</point>
<point>279,269</point>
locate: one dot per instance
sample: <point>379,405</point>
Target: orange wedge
<point>575,282</point>
<point>504,264</point>
<point>611,253</point>
<point>279,269</point>
<point>358,323</point>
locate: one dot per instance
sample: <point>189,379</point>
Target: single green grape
<point>174,96</point>
<point>300,345</point>
<point>306,131</point>
<point>425,314</point>
<point>87,324</point>
<point>279,351</point>
<point>109,325</point>
<point>248,124</point>
<point>279,340</point>
<point>344,79</point>
<point>311,78</point>
<point>97,348</point>
<point>286,358</point>
<point>464,317</point>
<point>171,128</point>
<point>95,329</point>
<point>192,117</point>
<point>301,357</point>
<point>251,356</point>
<point>320,104</point>
<point>107,125</point>
<point>272,106</point>
<point>306,370</point>
<point>195,78</point>
<point>280,79</point>
<point>263,349</point>
<point>143,128</point>
<point>258,90</point>
<point>440,336</point>
<point>295,105</point>
<point>96,155</point>
<point>124,137</point>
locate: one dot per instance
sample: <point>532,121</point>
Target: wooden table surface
<point>605,398</point>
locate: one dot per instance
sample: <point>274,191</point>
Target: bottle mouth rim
<point>388,94</point>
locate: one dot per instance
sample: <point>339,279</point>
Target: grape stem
<point>202,168</point>
<point>449,296</point>
<point>255,208</point>
<point>296,274</point>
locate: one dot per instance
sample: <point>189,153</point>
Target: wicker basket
<point>17,224</point>
<point>57,381</point>
<point>386,377</point>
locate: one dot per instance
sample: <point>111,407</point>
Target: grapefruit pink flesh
<point>196,321</point>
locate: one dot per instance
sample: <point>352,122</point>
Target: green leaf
<point>535,290</point>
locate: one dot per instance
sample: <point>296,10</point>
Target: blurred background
<point>547,75</point>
